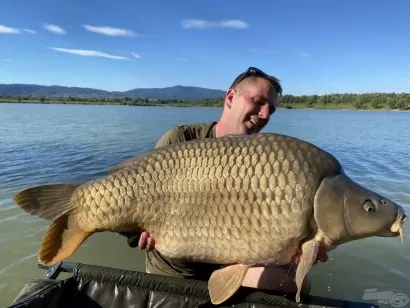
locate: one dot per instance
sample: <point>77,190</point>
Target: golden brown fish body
<point>244,200</point>
<point>227,200</point>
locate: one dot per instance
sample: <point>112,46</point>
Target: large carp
<point>241,201</point>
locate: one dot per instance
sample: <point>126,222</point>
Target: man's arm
<point>173,135</point>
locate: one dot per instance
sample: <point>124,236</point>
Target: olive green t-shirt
<point>155,262</point>
<point>187,132</point>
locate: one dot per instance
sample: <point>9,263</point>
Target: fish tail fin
<point>62,239</point>
<point>47,201</point>
<point>53,202</point>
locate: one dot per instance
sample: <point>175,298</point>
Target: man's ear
<point>229,97</point>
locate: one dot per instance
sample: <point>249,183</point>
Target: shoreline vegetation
<point>366,101</point>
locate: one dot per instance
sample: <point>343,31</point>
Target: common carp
<point>240,201</point>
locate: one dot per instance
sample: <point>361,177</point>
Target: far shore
<point>52,102</point>
<point>289,102</point>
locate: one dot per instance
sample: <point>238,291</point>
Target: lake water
<point>67,143</point>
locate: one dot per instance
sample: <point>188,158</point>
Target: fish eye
<point>369,206</point>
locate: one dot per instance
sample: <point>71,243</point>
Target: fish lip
<point>397,227</point>
<point>401,217</point>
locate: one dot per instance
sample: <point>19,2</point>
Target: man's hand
<point>321,255</point>
<point>141,240</point>
<point>146,241</point>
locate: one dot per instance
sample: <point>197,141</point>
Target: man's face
<point>251,105</point>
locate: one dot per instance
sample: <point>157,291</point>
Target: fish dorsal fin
<point>137,159</point>
<point>124,164</point>
<point>239,135</point>
<point>225,282</point>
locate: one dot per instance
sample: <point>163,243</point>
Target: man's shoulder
<point>186,132</point>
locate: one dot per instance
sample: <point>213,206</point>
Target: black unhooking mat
<point>95,286</point>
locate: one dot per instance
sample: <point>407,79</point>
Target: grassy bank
<point>333,106</point>
<point>366,101</point>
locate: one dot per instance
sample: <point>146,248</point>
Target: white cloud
<point>89,53</point>
<point>136,55</point>
<point>110,31</point>
<point>29,31</point>
<point>204,24</point>
<point>9,30</point>
<point>54,29</point>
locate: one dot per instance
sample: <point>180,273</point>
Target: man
<point>249,102</point>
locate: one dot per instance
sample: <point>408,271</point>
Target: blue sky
<point>313,47</point>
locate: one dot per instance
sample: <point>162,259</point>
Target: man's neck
<point>223,130</point>
<point>218,129</point>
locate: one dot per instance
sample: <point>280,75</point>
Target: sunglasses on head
<point>251,71</point>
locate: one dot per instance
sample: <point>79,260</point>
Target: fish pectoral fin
<point>225,282</point>
<point>401,235</point>
<point>310,251</point>
<point>61,240</point>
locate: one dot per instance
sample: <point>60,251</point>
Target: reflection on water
<point>62,143</point>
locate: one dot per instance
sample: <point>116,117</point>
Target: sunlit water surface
<point>67,143</point>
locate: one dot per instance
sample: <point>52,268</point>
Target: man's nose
<point>264,112</point>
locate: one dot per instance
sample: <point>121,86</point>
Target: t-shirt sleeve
<point>184,133</point>
<point>173,135</point>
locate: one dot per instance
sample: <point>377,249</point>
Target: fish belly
<point>233,199</point>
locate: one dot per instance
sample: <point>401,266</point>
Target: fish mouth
<point>397,227</point>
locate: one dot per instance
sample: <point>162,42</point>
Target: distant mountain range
<point>168,93</point>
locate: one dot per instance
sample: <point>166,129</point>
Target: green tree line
<point>399,101</point>
<point>347,100</point>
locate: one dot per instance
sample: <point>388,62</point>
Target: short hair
<point>256,72</point>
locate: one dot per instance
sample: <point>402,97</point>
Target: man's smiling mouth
<point>254,122</point>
